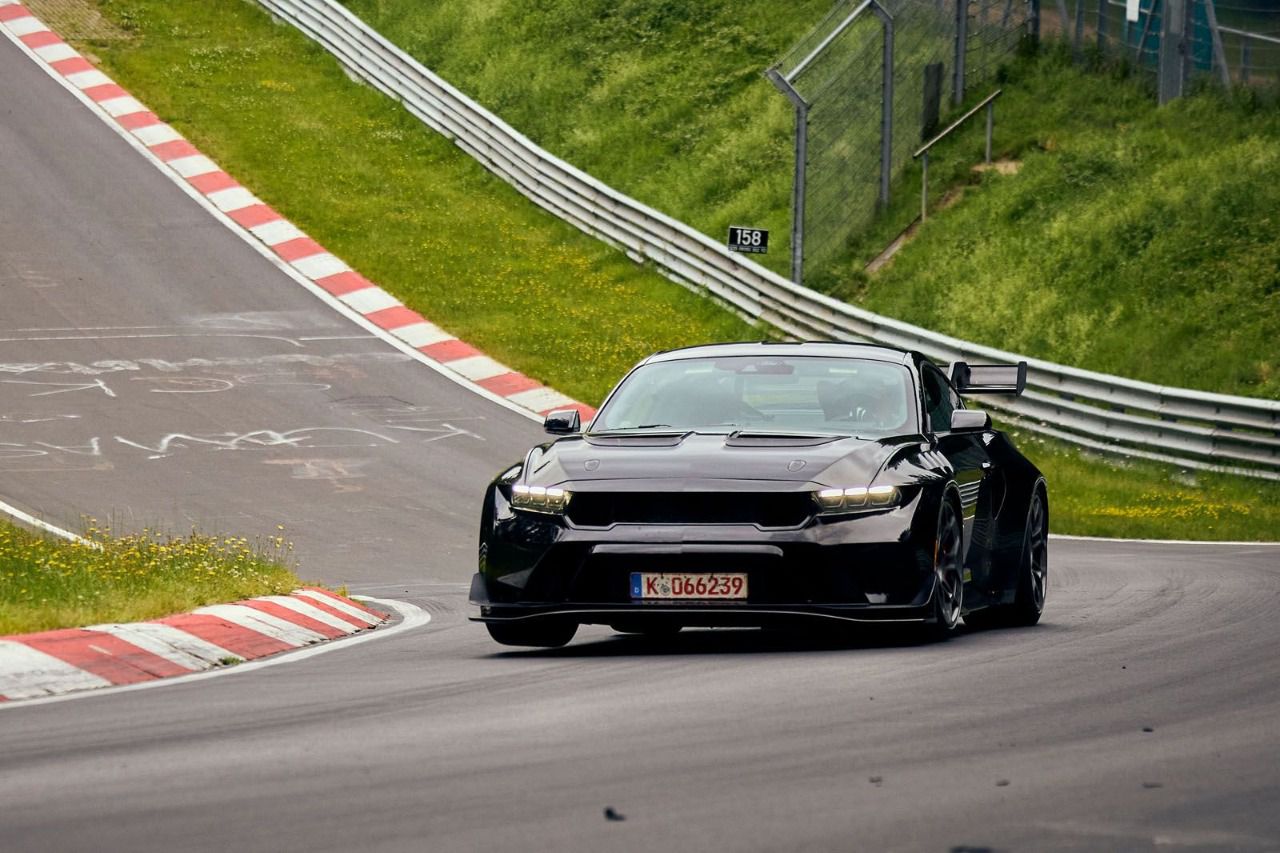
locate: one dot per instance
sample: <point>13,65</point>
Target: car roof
<point>825,349</point>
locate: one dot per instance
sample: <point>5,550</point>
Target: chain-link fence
<point>869,84</point>
<point>1175,41</point>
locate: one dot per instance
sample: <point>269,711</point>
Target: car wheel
<point>547,634</point>
<point>1033,576</point>
<point>1033,573</point>
<point>948,594</point>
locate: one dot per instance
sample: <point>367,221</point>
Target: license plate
<point>683,585</point>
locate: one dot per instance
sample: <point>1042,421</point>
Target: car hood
<point>684,458</point>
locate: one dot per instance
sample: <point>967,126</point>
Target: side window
<point>939,400</point>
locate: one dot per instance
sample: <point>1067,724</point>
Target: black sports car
<point>765,483</point>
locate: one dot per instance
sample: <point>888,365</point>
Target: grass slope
<point>663,99</point>
<point>1102,495</point>
<point>1131,231</point>
<point>1133,239</point>
<point>423,220</point>
<point>398,202</point>
<point>50,583</point>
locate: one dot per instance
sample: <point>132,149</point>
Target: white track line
<point>27,518</point>
<point>1233,543</point>
<point>411,616</point>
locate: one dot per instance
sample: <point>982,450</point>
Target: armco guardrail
<point>1188,427</point>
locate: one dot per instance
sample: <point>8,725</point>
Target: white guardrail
<point>1189,428</point>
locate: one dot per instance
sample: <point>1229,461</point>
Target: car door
<point>973,470</point>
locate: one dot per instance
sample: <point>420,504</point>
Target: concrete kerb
<point>208,641</point>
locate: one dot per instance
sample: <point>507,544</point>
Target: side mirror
<point>969,420</point>
<point>563,422</point>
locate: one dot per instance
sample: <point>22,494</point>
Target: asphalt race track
<point>155,370</point>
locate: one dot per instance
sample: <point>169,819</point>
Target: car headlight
<point>859,497</point>
<point>539,498</point>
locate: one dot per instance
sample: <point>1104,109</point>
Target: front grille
<point>767,509</point>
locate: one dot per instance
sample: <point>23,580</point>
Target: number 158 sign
<point>755,240</point>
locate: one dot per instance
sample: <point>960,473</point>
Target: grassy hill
<point>664,99</point>
<point>1133,239</point>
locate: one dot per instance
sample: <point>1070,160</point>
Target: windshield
<point>806,394</point>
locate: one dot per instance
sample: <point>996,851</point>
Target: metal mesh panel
<point>838,70</point>
<point>995,29</point>
<point>1242,36</point>
<point>843,87</point>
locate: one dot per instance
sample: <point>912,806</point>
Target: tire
<point>1032,577</point>
<point>948,570</point>
<point>545,634</point>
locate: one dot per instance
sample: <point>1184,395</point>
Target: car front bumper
<point>872,567</point>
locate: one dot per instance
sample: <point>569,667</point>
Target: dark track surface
<point>438,740</point>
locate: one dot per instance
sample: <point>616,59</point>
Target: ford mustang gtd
<point>764,483</point>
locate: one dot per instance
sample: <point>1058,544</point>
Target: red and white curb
<point>52,663</point>
<point>304,256</point>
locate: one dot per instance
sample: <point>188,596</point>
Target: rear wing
<point>989,378</point>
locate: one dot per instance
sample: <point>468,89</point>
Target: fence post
<point>1173,48</point>
<point>798,183</point>
<point>924,186</point>
<point>962,46</point>
<point>1034,22</point>
<point>886,105</point>
<point>1219,54</point>
<point>1246,55</point>
<point>1077,38</point>
<point>797,193</point>
<point>1102,25</point>
<point>991,120</point>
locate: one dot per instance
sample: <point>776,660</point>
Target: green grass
<point>663,99</point>
<point>420,218</point>
<point>1093,494</point>
<point>1135,240</point>
<point>50,583</point>
<point>398,202</point>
